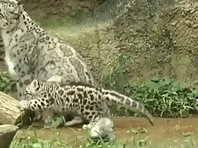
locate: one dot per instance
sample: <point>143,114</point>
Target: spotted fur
<point>30,53</point>
<point>85,100</point>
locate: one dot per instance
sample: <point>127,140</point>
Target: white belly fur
<point>10,65</point>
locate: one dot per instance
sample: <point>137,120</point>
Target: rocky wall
<point>159,35</point>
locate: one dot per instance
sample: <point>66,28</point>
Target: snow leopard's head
<point>10,11</point>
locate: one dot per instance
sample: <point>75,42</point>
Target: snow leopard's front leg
<point>39,104</point>
<point>48,117</point>
<point>21,86</point>
<point>75,121</point>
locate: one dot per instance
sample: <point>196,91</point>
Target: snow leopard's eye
<point>27,92</point>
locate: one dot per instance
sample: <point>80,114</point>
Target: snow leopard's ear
<point>35,84</point>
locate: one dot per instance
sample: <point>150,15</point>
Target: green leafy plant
<point>163,97</point>
<point>6,84</point>
<point>114,76</point>
<point>32,141</point>
<point>166,98</point>
<point>141,143</point>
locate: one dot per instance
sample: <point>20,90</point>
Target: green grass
<point>6,84</point>
<point>163,97</point>
<point>31,140</point>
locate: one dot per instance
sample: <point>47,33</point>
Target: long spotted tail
<point>129,103</point>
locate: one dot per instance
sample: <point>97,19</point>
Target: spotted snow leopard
<point>30,53</point>
<point>85,100</point>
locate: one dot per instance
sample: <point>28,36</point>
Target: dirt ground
<point>166,133</point>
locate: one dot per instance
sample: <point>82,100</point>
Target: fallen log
<point>7,133</point>
<point>10,113</point>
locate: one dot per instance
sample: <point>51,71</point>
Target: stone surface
<point>42,9</point>
<point>7,133</point>
<point>160,38</point>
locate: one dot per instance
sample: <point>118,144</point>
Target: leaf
<point>113,83</point>
<point>36,145</point>
<point>166,81</point>
<point>58,121</point>
<point>176,86</point>
<point>153,86</point>
<point>155,79</point>
<point>194,92</point>
<point>127,90</point>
